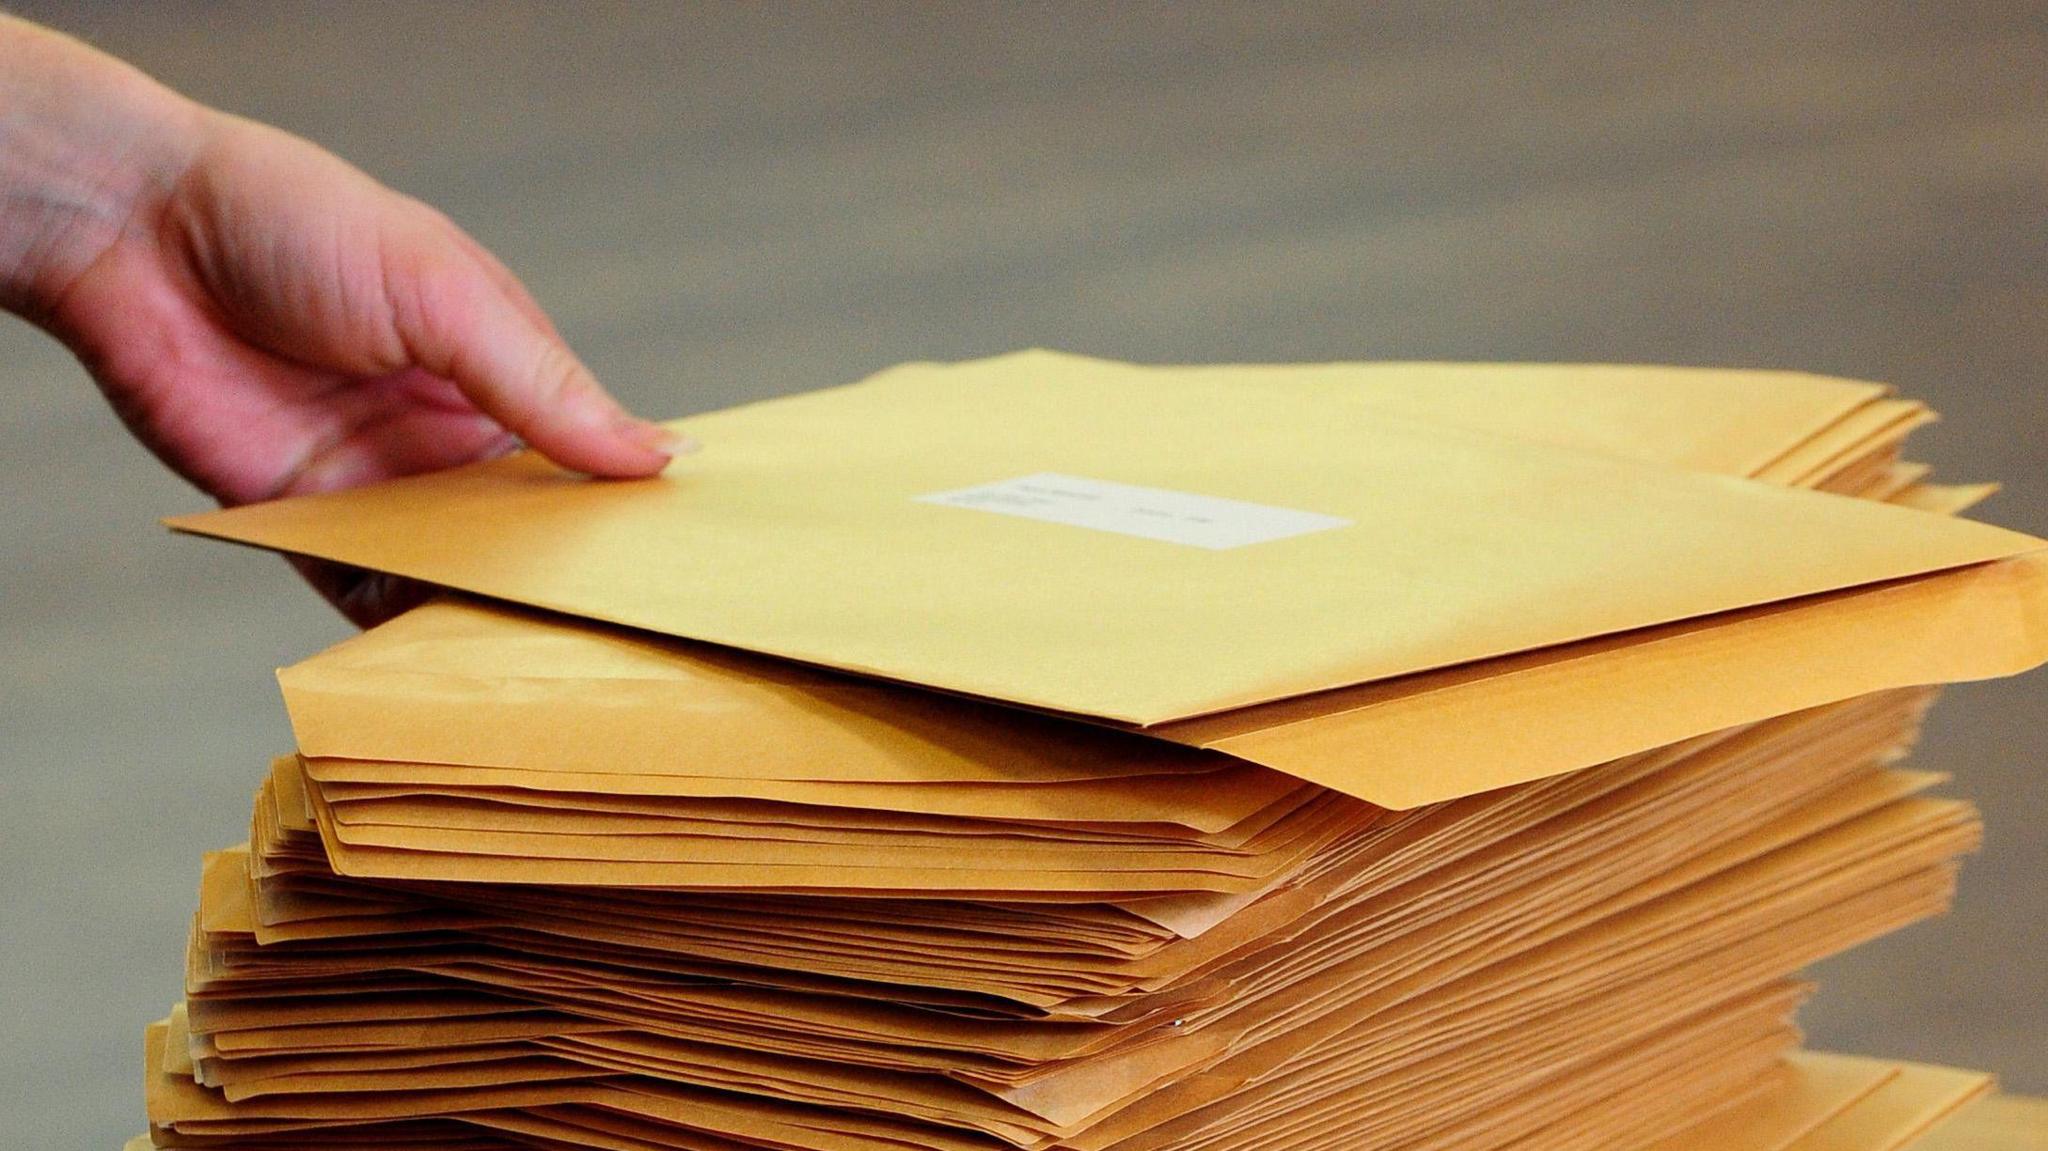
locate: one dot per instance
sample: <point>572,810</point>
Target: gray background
<point>724,202</point>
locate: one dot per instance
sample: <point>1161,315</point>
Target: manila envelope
<point>469,683</point>
<point>1150,546</point>
<point>567,706</point>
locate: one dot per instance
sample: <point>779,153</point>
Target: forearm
<point>84,139</point>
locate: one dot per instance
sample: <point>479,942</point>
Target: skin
<point>267,319</point>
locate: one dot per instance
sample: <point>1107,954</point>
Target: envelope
<point>1993,1123</point>
<point>1817,1100</point>
<point>584,884</point>
<point>1829,1102</point>
<point>565,704</point>
<point>1146,546</point>
<point>511,693</point>
<point>1626,929</point>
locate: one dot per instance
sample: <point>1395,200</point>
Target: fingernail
<point>654,436</point>
<point>500,448</point>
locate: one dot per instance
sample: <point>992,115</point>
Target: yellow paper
<point>1817,1089</point>
<point>1628,935</point>
<point>470,684</point>
<point>1578,931</point>
<point>803,532</point>
<point>1899,1112</point>
<point>1998,1123</point>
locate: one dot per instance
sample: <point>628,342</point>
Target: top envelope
<point>1144,546</point>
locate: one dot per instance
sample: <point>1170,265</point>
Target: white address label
<point>1127,509</point>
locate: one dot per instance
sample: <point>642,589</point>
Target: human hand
<point>269,320</point>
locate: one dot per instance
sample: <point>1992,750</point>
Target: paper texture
<point>1849,1103</point>
<point>534,881</point>
<point>799,533</point>
<point>1901,1111</point>
<point>1627,929</point>
<point>1997,1123</point>
<point>468,683</point>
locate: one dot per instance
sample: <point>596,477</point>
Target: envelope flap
<point>466,683</point>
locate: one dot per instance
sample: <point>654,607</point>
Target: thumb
<point>461,323</point>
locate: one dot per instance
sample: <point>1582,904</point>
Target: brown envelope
<point>1206,540</point>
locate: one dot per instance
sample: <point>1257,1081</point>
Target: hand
<point>266,318</point>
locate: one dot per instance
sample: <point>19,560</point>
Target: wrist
<point>87,146</point>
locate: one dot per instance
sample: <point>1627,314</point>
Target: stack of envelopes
<point>1050,753</point>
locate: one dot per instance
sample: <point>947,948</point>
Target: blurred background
<point>722,202</point>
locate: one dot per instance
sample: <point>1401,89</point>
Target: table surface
<point>727,202</point>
